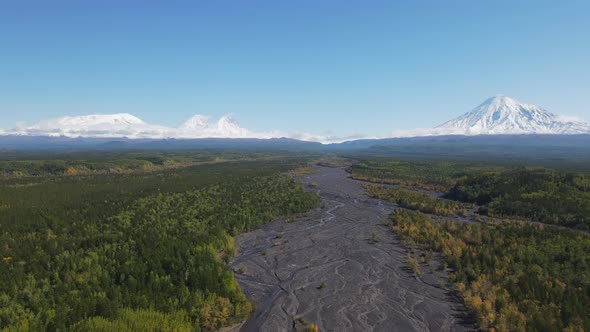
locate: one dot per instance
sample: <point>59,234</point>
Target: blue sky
<point>345,67</point>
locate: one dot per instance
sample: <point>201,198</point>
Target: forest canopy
<point>103,251</point>
<point>532,193</point>
<point>537,194</point>
<point>514,276</point>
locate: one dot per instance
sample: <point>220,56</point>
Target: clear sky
<point>346,67</point>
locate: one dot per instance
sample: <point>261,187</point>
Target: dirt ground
<point>340,268</point>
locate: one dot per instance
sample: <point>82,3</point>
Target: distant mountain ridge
<point>95,125</point>
<point>124,125</point>
<point>499,115</point>
<point>504,115</point>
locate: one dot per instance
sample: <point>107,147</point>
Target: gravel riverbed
<point>341,268</point>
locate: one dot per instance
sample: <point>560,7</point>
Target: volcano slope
<point>340,268</point>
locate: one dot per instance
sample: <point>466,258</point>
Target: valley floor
<point>341,268</point>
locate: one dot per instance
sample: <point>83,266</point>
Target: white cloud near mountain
<point>567,118</point>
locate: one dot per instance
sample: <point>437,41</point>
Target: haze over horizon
<point>330,69</point>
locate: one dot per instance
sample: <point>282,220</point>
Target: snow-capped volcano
<point>504,115</point>
<point>96,125</point>
<point>230,126</point>
<point>199,126</point>
<point>497,115</point>
<point>119,119</point>
<point>195,123</point>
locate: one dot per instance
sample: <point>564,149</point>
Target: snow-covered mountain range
<point>96,125</point>
<point>127,125</point>
<point>499,115</point>
<point>504,115</point>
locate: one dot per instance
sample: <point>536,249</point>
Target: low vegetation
<point>16,165</point>
<point>311,328</point>
<point>137,320</point>
<point>417,200</point>
<point>335,162</point>
<point>302,171</point>
<point>414,265</point>
<point>428,175</point>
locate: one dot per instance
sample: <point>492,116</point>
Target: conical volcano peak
<point>504,115</point>
<point>196,122</point>
<point>501,101</point>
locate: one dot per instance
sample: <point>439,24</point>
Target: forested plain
<point>514,276</point>
<point>109,241</point>
<point>133,241</point>
<point>531,193</point>
<point>537,194</point>
<point>513,272</point>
